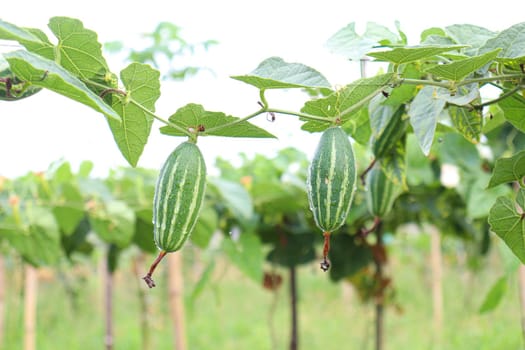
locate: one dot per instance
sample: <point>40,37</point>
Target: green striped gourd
<point>178,196</point>
<point>393,131</point>
<point>331,180</point>
<point>381,192</point>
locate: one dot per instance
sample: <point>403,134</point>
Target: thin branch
<point>162,120</point>
<point>496,100</point>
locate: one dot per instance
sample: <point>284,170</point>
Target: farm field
<point>233,312</point>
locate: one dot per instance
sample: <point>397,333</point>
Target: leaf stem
<point>491,79</point>
<point>302,115</point>
<point>162,120</point>
<point>271,110</point>
<point>501,97</point>
<point>446,85</point>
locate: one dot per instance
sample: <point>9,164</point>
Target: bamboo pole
<point>521,282</point>
<point>2,301</point>
<point>436,263</point>
<point>176,300</point>
<point>30,307</point>
<point>145,310</point>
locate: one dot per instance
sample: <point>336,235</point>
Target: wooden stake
<point>2,301</point>
<point>436,264</point>
<point>521,281</point>
<point>30,307</point>
<point>176,299</point>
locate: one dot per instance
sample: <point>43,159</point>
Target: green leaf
<point>206,225</point>
<point>115,223</point>
<point>381,34</point>
<point>357,126</point>
<point>479,199</point>
<point>513,107</point>
<point>394,165</point>
<point>275,73</point>
<point>467,122</point>
<point>246,254</point>
<point>508,170</point>
<point>78,49</point>
<point>235,197</point>
<point>47,74</point>
<point>462,96</point>
<point>142,91</point>
<point>38,240</point>
<point>424,112</point>
<point>348,255</point>
<point>508,223</point>
<point>348,43</point>
<point>401,55</point>
<point>468,34</point>
<point>512,43</point>
<point>191,116</point>
<point>495,295</point>
<point>458,70</point>
<point>455,149</point>
<point>33,40</point>
<point>405,92</point>
<point>344,103</point>
<point>293,250</point>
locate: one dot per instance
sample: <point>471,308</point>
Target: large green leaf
<point>458,70</point>
<point>508,170</point>
<point>401,55</point>
<point>463,96</point>
<point>348,255</point>
<point>345,103</point>
<point>235,197</point>
<point>468,122</point>
<point>33,40</point>
<point>193,116</point>
<point>38,240</point>
<point>348,43</point>
<point>275,73</point>
<point>246,254</point>
<point>78,49</point>
<point>424,112</point>
<point>512,43</point>
<point>142,91</point>
<point>394,165</point>
<point>357,126</point>
<point>114,223</point>
<point>495,294</point>
<point>205,227</point>
<point>47,74</point>
<point>468,34</point>
<point>479,199</point>
<point>292,250</point>
<point>507,221</point>
<point>513,107</point>
<point>455,149</point>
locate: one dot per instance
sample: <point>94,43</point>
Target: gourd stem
<point>149,281</point>
<point>325,264</point>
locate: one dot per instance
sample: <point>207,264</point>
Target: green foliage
<point>274,73</point>
<point>431,95</point>
<point>194,117</point>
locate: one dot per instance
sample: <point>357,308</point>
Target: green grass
<point>233,312</point>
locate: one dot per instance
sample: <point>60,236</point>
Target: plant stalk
<point>176,300</point>
<point>380,295</point>
<point>30,307</point>
<point>145,311</point>
<point>294,339</point>
<point>2,301</point>
<point>108,303</point>
<point>521,281</point>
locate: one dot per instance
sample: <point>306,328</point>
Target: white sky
<point>47,127</point>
